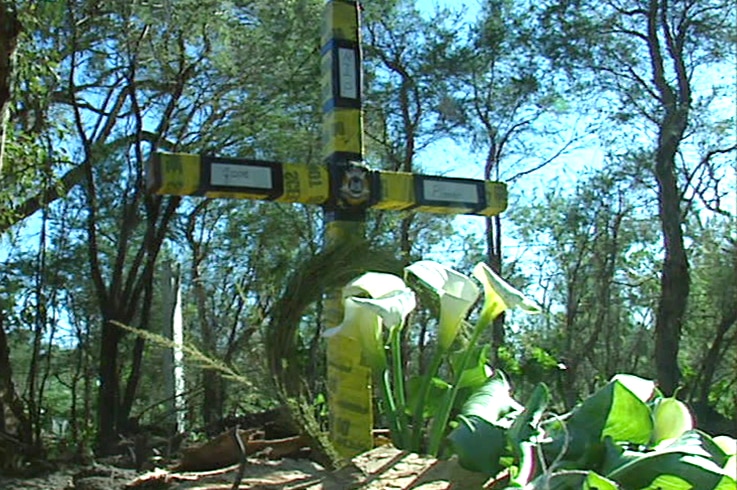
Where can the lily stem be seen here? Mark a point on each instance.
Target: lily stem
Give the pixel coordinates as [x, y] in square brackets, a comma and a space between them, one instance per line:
[391, 408]
[440, 423]
[418, 420]
[399, 411]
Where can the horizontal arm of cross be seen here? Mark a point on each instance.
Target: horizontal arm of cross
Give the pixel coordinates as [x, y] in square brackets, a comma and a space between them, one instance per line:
[328, 186]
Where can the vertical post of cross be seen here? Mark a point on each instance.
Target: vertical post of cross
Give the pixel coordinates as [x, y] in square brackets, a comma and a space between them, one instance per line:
[348, 379]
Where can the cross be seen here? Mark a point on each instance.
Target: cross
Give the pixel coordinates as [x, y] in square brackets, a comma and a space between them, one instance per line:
[345, 188]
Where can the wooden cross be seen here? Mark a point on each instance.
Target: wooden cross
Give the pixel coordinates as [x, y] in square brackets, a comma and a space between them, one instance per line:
[345, 188]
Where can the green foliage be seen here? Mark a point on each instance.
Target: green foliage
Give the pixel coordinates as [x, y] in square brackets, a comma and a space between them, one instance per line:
[605, 442]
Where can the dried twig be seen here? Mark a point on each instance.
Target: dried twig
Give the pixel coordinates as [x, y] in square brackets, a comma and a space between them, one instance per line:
[243, 461]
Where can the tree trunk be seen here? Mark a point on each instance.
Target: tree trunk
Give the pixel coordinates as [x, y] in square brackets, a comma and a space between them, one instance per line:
[713, 356]
[214, 397]
[675, 278]
[109, 393]
[10, 28]
[8, 396]
[675, 101]
[494, 257]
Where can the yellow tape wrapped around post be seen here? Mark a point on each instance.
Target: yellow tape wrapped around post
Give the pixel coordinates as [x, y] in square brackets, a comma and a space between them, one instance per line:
[349, 380]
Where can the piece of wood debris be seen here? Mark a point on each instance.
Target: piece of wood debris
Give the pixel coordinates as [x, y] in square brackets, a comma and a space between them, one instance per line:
[223, 450]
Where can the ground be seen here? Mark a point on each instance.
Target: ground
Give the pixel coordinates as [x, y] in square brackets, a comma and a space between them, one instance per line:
[382, 468]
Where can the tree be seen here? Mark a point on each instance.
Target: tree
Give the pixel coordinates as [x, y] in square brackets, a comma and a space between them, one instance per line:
[594, 269]
[710, 329]
[410, 70]
[510, 102]
[646, 57]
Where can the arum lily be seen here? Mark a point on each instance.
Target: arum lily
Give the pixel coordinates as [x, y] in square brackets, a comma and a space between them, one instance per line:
[370, 302]
[373, 285]
[389, 304]
[500, 295]
[456, 293]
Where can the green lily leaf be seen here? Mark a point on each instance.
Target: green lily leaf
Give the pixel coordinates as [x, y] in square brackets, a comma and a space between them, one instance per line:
[526, 425]
[594, 481]
[730, 467]
[480, 439]
[492, 402]
[693, 460]
[456, 293]
[727, 444]
[613, 411]
[477, 370]
[437, 390]
[500, 295]
[571, 480]
[644, 389]
[478, 444]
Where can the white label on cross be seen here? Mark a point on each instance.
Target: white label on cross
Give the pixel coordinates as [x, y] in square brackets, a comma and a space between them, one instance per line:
[347, 70]
[435, 190]
[230, 175]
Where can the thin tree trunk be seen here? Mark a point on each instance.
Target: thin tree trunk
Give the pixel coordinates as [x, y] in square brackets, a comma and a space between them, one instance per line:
[675, 278]
[709, 365]
[494, 257]
[8, 394]
[10, 28]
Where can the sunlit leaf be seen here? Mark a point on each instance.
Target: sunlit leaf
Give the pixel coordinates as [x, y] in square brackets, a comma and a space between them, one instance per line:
[727, 444]
[613, 411]
[594, 481]
[694, 460]
[643, 388]
[493, 401]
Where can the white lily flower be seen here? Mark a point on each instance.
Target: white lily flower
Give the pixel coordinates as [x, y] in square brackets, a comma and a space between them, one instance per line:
[393, 308]
[364, 318]
[456, 292]
[500, 295]
[373, 285]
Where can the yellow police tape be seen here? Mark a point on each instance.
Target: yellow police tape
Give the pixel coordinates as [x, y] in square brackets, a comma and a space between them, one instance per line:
[173, 173]
[309, 184]
[349, 397]
[349, 380]
[342, 131]
[339, 21]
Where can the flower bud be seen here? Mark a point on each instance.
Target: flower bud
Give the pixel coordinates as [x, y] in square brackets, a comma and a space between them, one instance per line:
[671, 419]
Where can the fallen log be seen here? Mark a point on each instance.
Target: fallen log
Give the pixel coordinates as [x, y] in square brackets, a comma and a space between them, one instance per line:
[224, 451]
